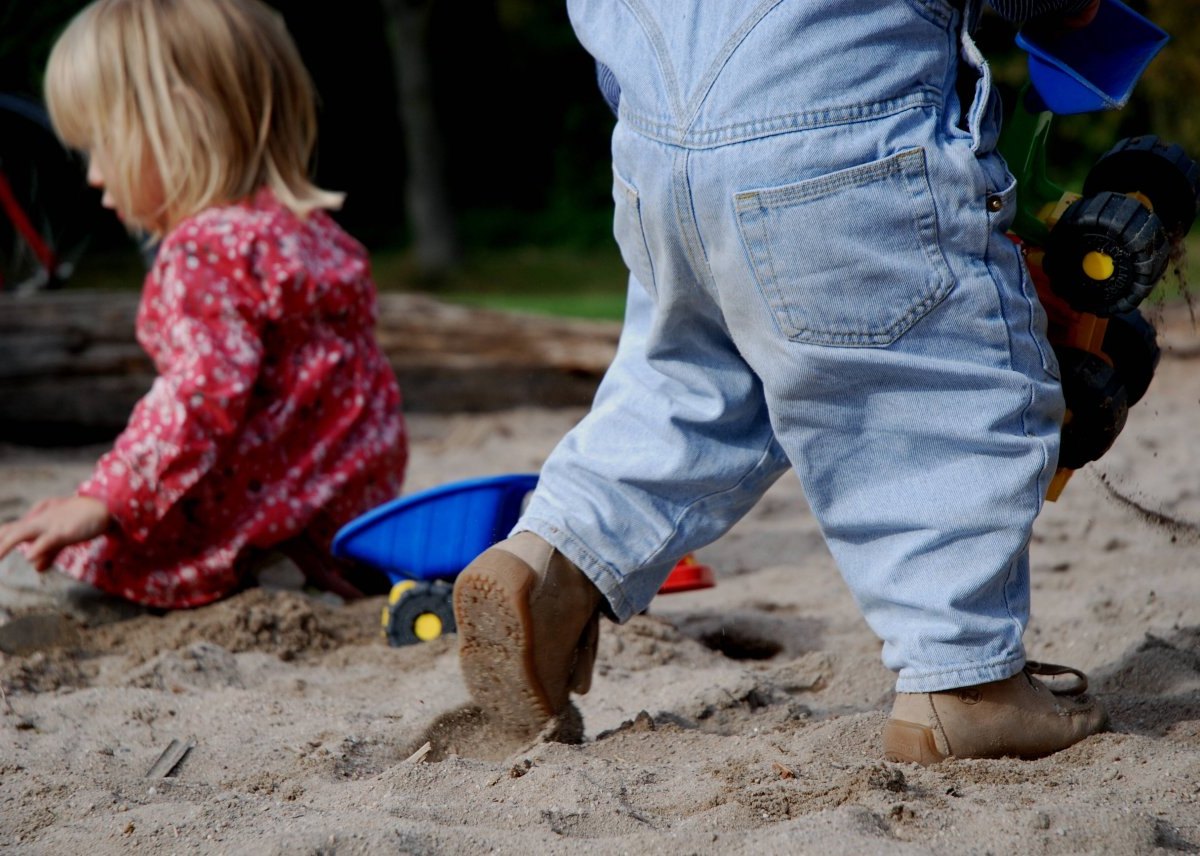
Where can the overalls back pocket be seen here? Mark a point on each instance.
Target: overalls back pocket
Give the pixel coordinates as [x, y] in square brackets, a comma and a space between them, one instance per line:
[850, 258]
[630, 233]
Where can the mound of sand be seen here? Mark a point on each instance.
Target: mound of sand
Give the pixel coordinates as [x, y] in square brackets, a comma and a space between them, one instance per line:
[741, 719]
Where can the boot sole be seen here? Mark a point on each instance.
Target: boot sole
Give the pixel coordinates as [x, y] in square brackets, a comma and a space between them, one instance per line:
[495, 631]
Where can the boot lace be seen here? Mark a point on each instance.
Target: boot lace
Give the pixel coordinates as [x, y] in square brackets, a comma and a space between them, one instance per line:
[1071, 688]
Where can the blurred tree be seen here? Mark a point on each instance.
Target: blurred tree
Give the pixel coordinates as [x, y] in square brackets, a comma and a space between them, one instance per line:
[435, 241]
[360, 144]
[526, 130]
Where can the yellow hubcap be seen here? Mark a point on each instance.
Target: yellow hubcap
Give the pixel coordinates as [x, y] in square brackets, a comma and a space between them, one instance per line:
[427, 626]
[1098, 265]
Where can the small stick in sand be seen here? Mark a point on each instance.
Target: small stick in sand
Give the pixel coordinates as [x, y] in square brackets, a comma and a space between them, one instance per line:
[419, 756]
[170, 758]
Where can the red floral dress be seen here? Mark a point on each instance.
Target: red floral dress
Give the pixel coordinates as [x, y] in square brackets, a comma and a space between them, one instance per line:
[274, 415]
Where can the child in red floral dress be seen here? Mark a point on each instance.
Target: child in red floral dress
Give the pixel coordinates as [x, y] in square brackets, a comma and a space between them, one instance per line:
[275, 418]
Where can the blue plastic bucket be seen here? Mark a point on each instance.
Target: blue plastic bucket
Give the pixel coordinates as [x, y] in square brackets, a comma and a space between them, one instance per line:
[1093, 67]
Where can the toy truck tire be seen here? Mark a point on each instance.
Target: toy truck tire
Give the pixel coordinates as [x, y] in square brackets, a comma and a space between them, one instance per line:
[1096, 407]
[420, 612]
[1162, 175]
[1105, 254]
[1131, 342]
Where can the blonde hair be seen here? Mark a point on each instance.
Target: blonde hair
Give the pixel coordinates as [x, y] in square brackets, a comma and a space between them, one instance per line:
[210, 93]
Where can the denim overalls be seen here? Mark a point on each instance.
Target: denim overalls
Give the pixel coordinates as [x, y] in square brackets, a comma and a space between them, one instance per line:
[820, 279]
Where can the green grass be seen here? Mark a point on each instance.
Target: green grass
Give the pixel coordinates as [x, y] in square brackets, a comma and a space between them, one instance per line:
[591, 283]
[587, 283]
[581, 283]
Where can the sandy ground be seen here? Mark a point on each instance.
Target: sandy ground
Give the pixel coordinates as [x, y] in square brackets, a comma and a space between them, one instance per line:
[741, 719]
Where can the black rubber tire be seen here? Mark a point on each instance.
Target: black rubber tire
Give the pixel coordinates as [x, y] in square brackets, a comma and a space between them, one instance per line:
[434, 598]
[1121, 228]
[1131, 342]
[1097, 406]
[1162, 173]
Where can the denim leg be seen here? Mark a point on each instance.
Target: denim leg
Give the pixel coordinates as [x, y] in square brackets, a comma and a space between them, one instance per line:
[676, 448]
[827, 281]
[902, 355]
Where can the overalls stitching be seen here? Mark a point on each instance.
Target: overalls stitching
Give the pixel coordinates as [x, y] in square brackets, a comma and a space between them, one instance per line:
[654, 33]
[731, 45]
[926, 96]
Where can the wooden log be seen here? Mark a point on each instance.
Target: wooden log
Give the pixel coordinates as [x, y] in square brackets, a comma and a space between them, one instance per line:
[70, 368]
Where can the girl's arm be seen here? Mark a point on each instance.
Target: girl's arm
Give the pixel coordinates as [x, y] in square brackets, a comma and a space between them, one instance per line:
[208, 366]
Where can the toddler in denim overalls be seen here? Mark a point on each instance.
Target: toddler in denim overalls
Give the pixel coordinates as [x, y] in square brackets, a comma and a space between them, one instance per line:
[814, 224]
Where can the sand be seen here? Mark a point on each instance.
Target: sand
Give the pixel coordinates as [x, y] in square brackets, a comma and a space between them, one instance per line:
[741, 719]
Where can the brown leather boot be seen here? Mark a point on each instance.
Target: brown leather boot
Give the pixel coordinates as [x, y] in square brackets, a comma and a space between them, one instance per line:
[528, 623]
[1019, 716]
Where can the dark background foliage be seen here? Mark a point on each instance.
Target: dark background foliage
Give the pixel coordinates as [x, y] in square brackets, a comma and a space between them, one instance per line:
[524, 133]
[524, 130]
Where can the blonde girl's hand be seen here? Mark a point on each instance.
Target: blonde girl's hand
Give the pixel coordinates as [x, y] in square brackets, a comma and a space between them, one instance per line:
[53, 524]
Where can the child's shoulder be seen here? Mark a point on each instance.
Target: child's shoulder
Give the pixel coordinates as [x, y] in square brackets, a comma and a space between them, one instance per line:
[259, 216]
[256, 219]
[261, 240]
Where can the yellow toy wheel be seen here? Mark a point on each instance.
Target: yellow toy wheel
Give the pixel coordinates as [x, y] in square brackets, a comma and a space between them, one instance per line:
[418, 612]
[1105, 254]
[394, 596]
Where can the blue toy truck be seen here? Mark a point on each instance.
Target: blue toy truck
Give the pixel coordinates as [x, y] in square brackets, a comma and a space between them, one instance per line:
[422, 542]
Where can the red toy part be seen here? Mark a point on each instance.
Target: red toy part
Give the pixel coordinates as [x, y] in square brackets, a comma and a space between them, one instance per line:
[688, 575]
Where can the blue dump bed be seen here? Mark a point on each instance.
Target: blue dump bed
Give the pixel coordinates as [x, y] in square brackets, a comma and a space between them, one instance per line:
[1093, 67]
[434, 534]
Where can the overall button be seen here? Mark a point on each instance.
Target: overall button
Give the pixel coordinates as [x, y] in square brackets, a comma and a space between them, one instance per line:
[995, 203]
